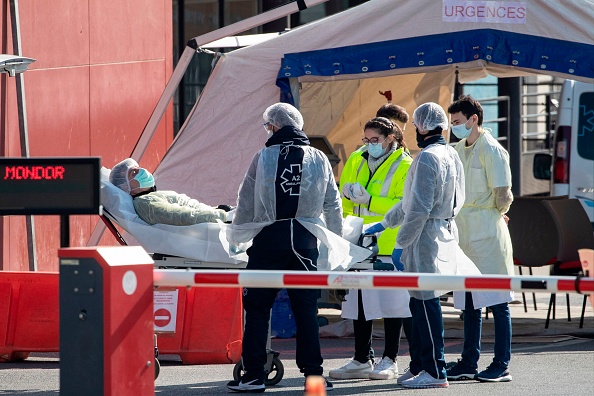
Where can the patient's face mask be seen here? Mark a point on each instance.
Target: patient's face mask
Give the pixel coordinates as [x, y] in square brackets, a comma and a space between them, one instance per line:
[144, 178]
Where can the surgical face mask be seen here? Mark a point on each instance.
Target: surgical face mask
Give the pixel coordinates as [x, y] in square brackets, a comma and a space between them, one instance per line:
[420, 137]
[461, 131]
[375, 149]
[144, 178]
[267, 127]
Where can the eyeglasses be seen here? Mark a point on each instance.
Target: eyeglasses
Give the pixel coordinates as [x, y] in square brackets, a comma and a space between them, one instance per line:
[373, 140]
[266, 124]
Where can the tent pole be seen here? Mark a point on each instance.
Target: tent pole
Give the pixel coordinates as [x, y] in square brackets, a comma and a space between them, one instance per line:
[180, 69]
[23, 128]
[191, 48]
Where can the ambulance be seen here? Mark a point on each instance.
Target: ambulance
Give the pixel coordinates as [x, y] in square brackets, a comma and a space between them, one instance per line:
[571, 165]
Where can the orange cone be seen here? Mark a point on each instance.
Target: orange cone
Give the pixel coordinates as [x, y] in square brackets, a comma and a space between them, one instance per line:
[315, 385]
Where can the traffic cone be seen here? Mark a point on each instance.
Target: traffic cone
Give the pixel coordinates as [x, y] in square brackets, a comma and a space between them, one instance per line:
[315, 385]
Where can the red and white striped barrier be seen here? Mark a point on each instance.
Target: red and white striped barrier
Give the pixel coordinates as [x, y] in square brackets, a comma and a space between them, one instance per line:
[369, 280]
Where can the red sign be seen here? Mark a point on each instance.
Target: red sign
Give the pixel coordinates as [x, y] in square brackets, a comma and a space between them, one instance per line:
[162, 317]
[34, 172]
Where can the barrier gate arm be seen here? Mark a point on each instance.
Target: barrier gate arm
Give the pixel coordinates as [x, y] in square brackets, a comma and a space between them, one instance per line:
[359, 280]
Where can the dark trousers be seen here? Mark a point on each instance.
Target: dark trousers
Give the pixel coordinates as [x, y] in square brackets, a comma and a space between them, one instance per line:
[428, 336]
[392, 329]
[257, 304]
[473, 328]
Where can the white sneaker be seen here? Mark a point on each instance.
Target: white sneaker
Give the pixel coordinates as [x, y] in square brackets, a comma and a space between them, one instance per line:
[384, 370]
[407, 375]
[425, 380]
[352, 370]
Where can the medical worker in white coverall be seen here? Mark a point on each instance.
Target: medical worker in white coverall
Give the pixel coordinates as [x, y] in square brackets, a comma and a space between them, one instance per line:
[288, 201]
[484, 238]
[433, 195]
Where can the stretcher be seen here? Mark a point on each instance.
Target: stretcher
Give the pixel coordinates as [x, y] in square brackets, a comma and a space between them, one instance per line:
[191, 247]
[198, 246]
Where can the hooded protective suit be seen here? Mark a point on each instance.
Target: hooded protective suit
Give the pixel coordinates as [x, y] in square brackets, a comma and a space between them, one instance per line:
[433, 196]
[319, 207]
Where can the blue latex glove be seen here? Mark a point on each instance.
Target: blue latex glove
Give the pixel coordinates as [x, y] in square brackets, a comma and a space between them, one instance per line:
[396, 253]
[374, 229]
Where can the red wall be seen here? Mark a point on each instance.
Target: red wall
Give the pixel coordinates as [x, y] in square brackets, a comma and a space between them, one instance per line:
[101, 68]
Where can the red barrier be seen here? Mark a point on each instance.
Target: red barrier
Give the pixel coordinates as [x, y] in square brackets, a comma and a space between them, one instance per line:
[29, 316]
[209, 326]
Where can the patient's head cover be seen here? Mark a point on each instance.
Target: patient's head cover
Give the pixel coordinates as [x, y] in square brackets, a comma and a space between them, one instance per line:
[283, 114]
[119, 174]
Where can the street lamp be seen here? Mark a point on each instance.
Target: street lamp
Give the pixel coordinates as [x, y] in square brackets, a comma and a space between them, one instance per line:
[13, 64]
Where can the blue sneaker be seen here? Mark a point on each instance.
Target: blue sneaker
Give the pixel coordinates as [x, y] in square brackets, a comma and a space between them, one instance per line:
[461, 371]
[496, 372]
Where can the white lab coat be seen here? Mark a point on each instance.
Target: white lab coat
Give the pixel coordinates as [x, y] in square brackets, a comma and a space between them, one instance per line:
[377, 304]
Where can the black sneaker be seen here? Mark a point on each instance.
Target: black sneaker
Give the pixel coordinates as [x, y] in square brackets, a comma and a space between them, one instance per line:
[461, 371]
[496, 372]
[329, 386]
[247, 385]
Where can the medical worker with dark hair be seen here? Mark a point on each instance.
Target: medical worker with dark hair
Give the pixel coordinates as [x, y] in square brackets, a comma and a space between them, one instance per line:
[484, 238]
[372, 182]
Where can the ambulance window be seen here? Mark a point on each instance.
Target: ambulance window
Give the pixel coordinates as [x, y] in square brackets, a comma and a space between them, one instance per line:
[585, 135]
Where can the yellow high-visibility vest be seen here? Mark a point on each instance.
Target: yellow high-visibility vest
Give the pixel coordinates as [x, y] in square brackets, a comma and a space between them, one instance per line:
[386, 187]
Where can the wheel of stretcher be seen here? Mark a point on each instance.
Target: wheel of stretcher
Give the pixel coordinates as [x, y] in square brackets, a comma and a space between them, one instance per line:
[275, 375]
[157, 368]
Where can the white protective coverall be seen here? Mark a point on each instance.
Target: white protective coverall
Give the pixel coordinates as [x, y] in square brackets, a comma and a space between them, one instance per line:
[258, 188]
[484, 236]
[433, 196]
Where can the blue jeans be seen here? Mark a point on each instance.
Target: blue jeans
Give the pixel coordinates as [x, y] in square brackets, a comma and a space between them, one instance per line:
[427, 338]
[472, 333]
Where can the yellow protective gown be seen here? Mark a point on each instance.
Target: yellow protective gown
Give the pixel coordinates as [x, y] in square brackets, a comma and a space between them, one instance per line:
[484, 236]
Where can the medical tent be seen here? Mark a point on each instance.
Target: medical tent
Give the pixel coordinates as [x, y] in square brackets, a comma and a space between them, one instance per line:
[338, 70]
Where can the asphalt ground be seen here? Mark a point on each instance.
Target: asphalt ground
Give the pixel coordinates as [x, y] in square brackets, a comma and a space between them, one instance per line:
[540, 366]
[554, 361]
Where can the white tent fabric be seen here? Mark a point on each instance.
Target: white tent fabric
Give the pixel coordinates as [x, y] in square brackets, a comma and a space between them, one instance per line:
[430, 41]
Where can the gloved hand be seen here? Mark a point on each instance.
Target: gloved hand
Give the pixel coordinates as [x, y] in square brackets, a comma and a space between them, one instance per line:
[347, 190]
[360, 194]
[374, 229]
[396, 253]
[235, 249]
[230, 215]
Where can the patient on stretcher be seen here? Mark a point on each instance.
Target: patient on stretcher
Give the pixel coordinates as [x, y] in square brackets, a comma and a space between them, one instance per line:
[163, 207]
[205, 242]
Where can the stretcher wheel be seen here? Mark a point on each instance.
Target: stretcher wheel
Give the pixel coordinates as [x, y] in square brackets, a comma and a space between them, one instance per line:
[157, 368]
[274, 376]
